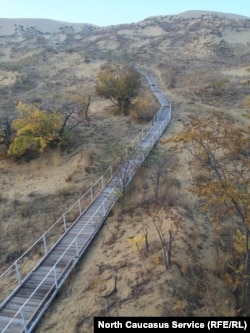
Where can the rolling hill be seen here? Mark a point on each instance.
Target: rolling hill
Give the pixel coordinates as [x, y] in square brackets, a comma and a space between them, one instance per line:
[201, 62]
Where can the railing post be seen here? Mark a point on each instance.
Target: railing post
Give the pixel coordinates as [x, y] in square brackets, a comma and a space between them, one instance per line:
[24, 320]
[64, 222]
[77, 250]
[111, 172]
[45, 245]
[102, 182]
[103, 206]
[80, 208]
[55, 276]
[18, 273]
[92, 224]
[91, 194]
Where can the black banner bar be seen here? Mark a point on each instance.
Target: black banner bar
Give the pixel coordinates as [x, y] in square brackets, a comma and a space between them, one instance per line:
[115, 324]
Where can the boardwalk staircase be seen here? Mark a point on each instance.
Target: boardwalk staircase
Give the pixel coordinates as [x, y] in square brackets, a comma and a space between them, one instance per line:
[27, 289]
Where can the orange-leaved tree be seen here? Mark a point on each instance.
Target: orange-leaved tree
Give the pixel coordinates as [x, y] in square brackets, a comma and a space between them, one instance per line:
[35, 130]
[223, 151]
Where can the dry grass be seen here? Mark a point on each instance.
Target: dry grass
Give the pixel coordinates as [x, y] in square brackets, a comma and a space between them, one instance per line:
[35, 194]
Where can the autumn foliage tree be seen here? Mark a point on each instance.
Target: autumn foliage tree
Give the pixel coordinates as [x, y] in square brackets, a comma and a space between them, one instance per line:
[223, 151]
[119, 85]
[39, 128]
[35, 130]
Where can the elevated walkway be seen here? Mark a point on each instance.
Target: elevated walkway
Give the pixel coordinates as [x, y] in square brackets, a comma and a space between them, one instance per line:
[31, 290]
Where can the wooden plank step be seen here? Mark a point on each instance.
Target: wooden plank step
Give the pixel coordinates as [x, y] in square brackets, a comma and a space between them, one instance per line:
[70, 253]
[22, 300]
[57, 255]
[13, 312]
[85, 218]
[4, 320]
[58, 252]
[34, 282]
[77, 233]
[38, 296]
[13, 308]
[81, 225]
[39, 275]
[13, 329]
[75, 236]
[52, 261]
[76, 242]
[63, 247]
[30, 289]
[16, 325]
[65, 261]
[49, 269]
[86, 229]
[42, 269]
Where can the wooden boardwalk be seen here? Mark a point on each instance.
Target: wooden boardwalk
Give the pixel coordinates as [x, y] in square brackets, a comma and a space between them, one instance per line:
[25, 305]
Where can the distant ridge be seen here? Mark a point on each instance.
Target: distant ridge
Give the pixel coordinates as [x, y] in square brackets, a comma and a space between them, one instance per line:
[8, 25]
[197, 13]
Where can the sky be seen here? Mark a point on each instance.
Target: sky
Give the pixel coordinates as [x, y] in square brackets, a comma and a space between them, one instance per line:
[113, 12]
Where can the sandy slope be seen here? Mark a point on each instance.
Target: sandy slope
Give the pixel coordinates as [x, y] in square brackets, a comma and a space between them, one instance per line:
[55, 68]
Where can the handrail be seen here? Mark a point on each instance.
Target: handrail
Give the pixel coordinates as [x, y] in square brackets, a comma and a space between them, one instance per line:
[21, 309]
[137, 139]
[58, 220]
[154, 131]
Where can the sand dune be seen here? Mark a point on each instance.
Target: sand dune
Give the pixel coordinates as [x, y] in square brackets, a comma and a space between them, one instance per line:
[197, 13]
[8, 25]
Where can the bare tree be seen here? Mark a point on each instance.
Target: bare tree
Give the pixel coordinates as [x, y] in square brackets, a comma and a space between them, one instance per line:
[73, 111]
[166, 241]
[5, 131]
[159, 163]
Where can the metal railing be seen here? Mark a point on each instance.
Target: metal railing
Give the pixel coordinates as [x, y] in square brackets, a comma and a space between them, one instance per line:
[15, 275]
[20, 270]
[75, 248]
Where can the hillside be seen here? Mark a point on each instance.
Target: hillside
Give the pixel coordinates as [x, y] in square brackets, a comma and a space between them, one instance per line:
[200, 61]
[43, 26]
